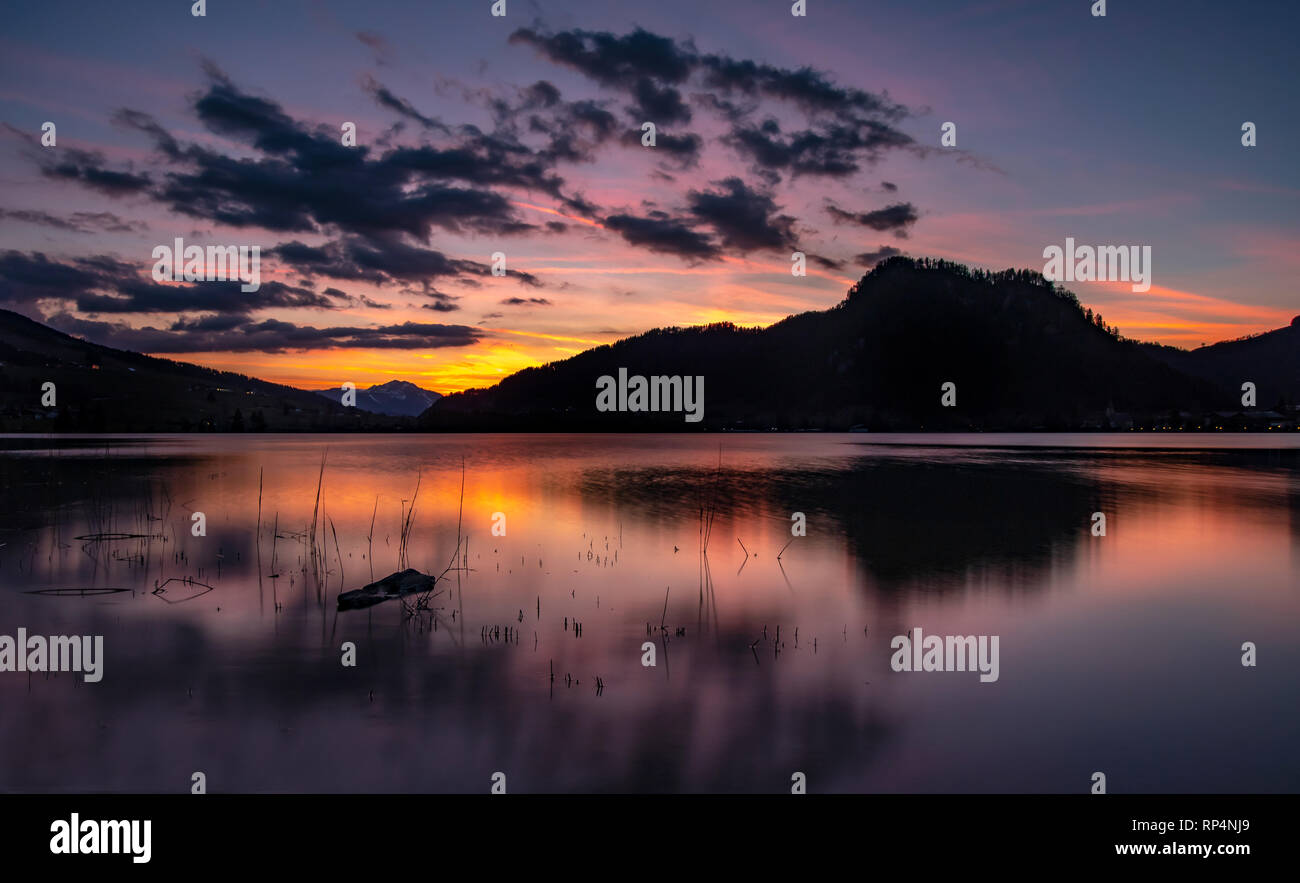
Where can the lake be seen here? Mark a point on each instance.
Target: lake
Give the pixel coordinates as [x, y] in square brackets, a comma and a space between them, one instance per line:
[223, 653]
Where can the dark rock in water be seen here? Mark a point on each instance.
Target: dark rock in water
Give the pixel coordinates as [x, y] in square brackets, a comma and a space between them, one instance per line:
[395, 585]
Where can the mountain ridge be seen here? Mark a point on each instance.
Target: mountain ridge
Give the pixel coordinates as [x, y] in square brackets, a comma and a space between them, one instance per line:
[101, 389]
[1023, 352]
[395, 398]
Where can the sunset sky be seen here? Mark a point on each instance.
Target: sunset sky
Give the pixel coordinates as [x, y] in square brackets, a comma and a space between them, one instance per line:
[522, 135]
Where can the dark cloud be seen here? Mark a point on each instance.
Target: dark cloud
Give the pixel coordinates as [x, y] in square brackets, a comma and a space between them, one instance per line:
[489, 162]
[745, 220]
[87, 167]
[305, 180]
[682, 150]
[77, 222]
[441, 306]
[574, 129]
[365, 301]
[658, 104]
[216, 334]
[216, 322]
[543, 93]
[830, 149]
[379, 262]
[27, 278]
[224, 297]
[847, 126]
[379, 206]
[441, 301]
[590, 115]
[826, 263]
[869, 259]
[134, 119]
[316, 192]
[526, 302]
[665, 235]
[227, 110]
[898, 218]
[384, 98]
[889, 186]
[730, 110]
[805, 87]
[611, 60]
[641, 61]
[382, 261]
[104, 284]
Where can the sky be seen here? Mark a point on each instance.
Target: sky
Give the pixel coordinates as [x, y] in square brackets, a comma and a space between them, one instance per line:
[522, 135]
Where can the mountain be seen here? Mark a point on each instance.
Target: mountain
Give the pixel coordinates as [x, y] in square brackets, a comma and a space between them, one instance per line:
[1270, 360]
[396, 398]
[1022, 351]
[100, 389]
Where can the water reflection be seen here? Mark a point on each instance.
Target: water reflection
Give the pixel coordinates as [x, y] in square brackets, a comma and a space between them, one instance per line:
[224, 650]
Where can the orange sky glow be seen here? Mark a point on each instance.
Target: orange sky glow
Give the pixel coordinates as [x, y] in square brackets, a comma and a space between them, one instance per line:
[1176, 318]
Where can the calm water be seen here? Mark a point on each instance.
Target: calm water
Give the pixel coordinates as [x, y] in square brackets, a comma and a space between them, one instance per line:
[1119, 654]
